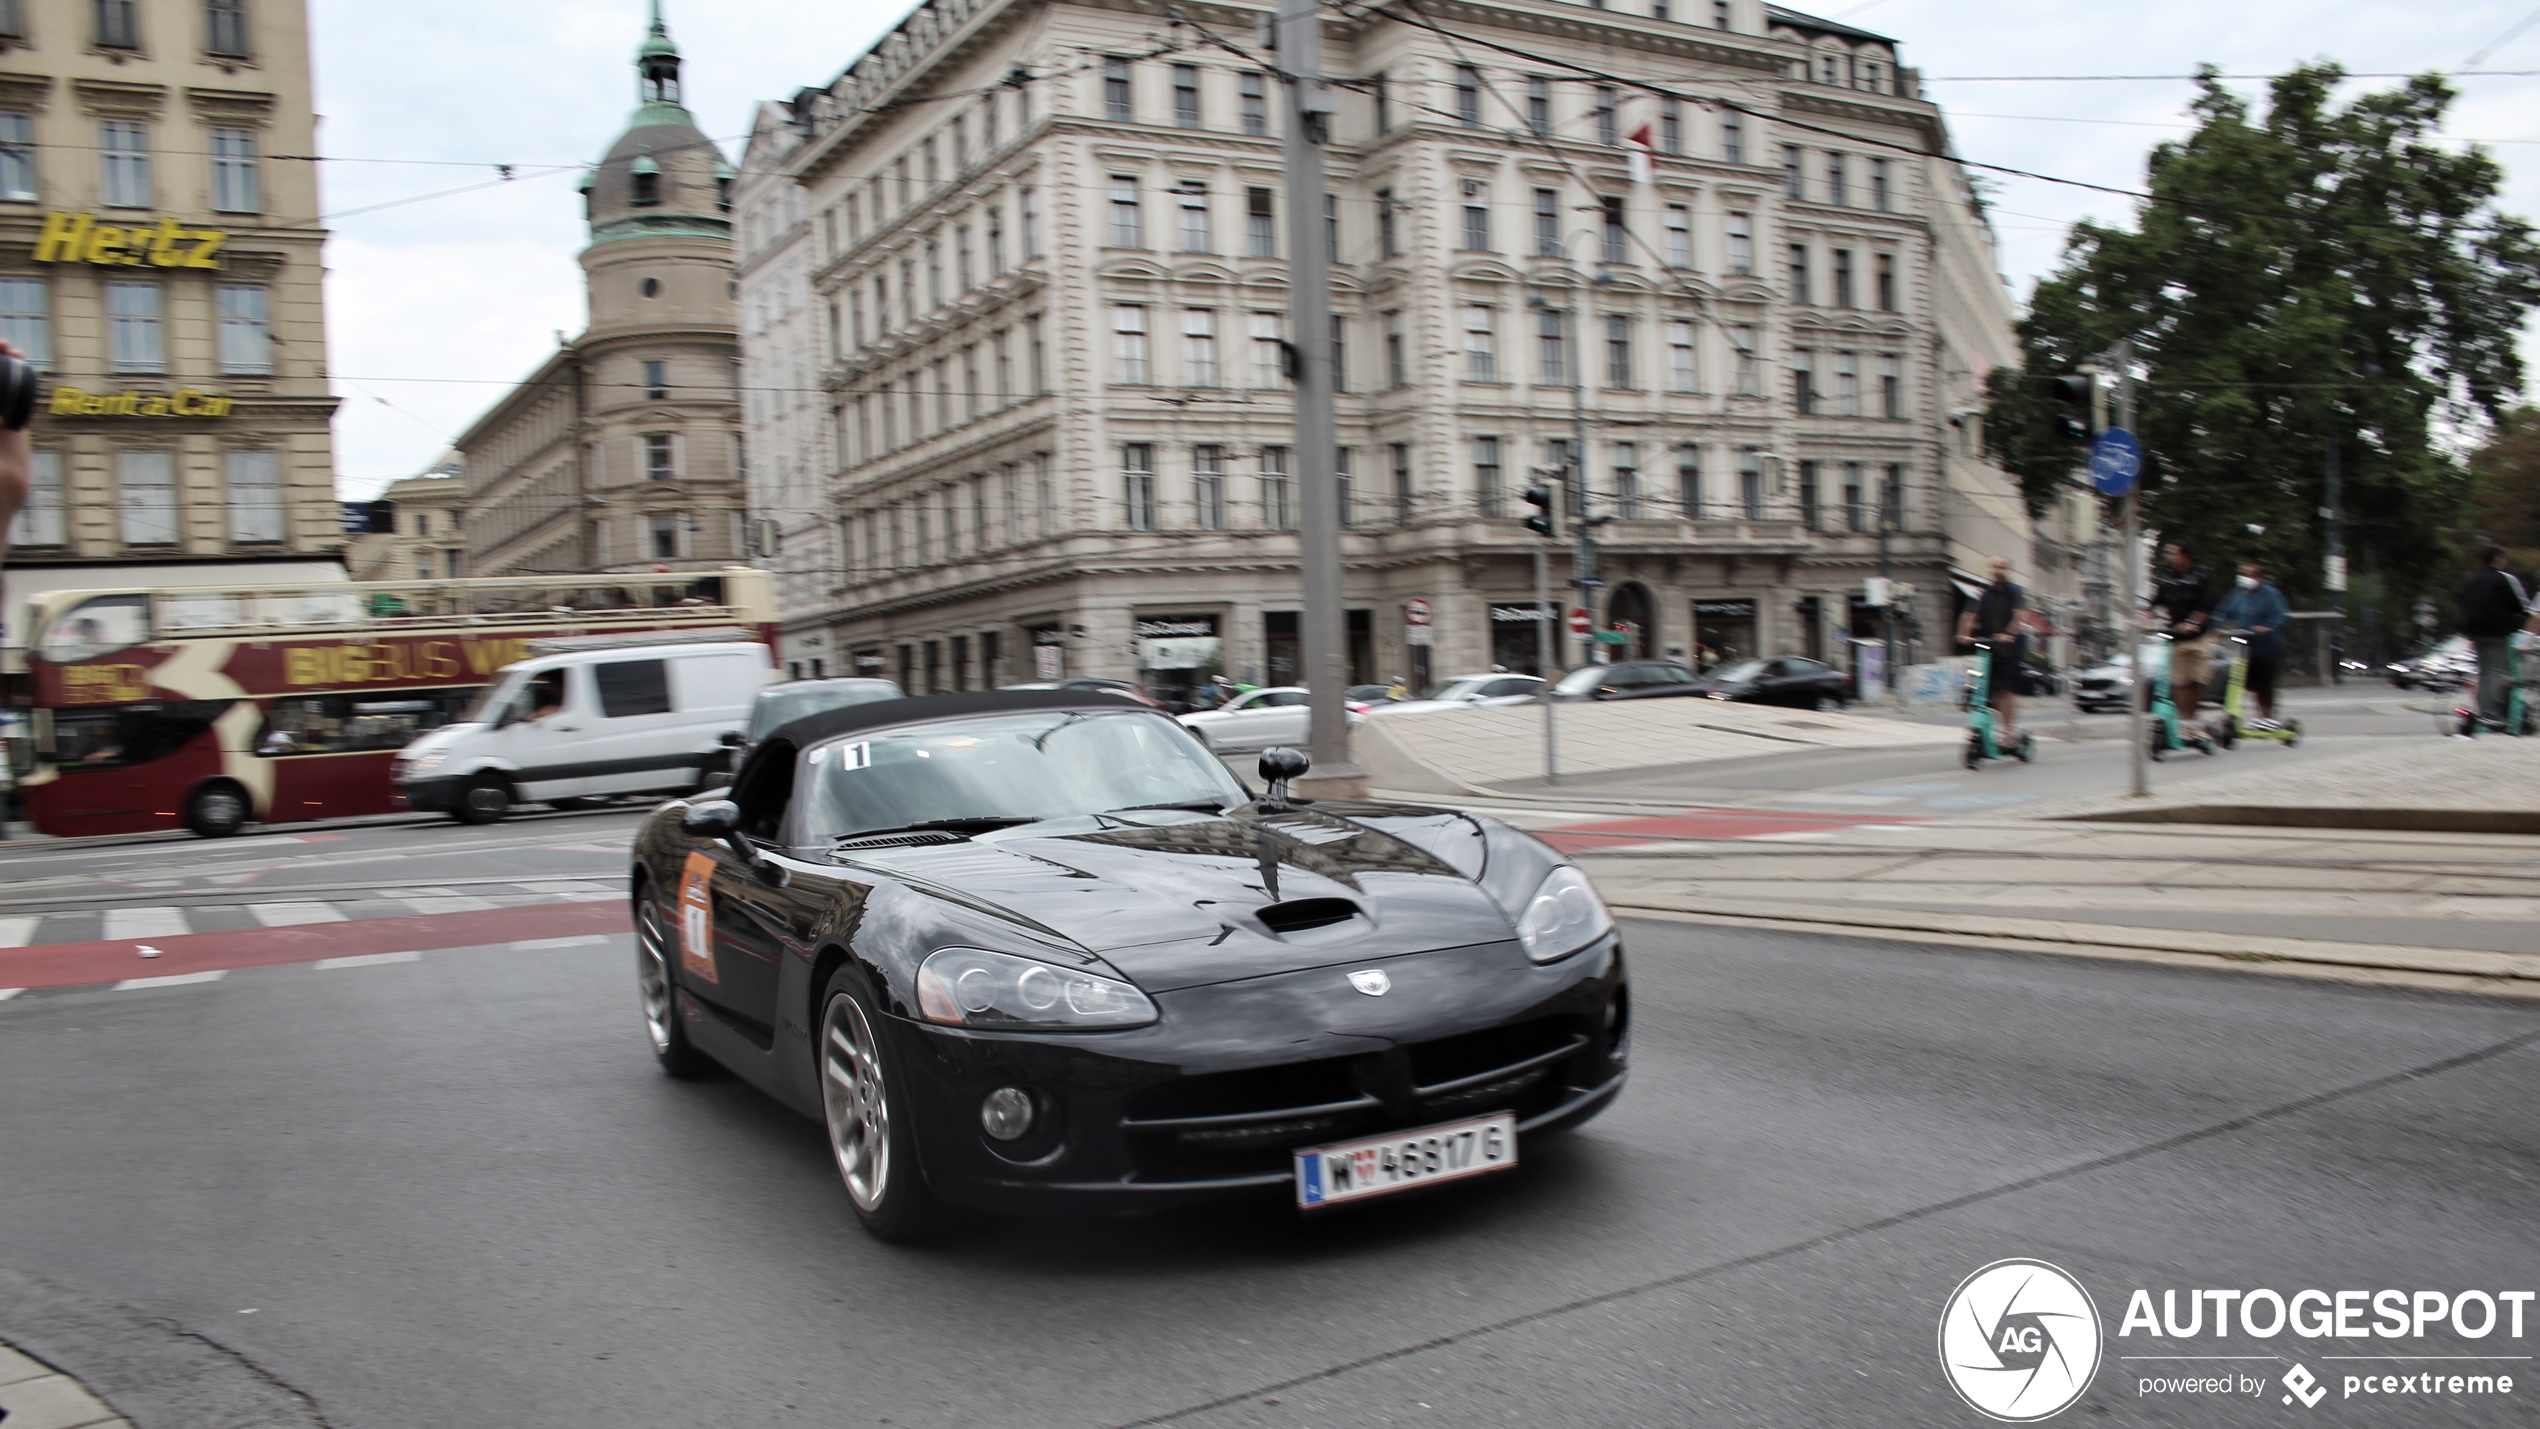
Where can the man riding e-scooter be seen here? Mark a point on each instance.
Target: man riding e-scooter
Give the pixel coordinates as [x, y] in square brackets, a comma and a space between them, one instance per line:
[2255, 605]
[2184, 596]
[2000, 616]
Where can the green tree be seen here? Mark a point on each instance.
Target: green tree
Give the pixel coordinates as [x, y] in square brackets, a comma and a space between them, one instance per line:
[2505, 487]
[2318, 273]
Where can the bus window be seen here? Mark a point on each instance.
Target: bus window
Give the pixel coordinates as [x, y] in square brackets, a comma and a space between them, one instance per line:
[129, 734]
[345, 724]
[96, 627]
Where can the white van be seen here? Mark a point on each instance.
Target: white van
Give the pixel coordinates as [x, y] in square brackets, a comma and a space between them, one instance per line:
[634, 719]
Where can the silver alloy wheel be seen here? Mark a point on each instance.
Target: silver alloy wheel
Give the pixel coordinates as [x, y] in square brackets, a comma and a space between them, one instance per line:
[857, 1108]
[652, 973]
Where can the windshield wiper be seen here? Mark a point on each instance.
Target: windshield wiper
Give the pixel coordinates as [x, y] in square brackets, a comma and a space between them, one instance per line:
[967, 824]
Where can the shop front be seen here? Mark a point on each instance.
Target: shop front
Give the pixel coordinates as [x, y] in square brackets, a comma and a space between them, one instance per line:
[1724, 630]
[1178, 653]
[1513, 637]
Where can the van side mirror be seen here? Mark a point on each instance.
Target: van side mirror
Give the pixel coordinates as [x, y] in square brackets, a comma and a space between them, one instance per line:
[1279, 764]
[732, 739]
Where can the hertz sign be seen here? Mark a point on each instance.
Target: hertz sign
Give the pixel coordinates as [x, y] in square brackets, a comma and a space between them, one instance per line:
[80, 238]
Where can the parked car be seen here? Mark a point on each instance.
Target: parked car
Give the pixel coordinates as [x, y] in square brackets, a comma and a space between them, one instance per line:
[1780, 680]
[2447, 666]
[1465, 692]
[1277, 715]
[1370, 695]
[1628, 680]
[785, 703]
[1095, 684]
[637, 719]
[2104, 686]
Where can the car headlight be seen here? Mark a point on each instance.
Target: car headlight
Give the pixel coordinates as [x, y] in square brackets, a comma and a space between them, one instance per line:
[966, 987]
[414, 765]
[1564, 916]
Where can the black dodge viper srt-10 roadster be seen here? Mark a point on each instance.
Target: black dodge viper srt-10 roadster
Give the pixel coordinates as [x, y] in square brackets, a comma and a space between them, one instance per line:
[1037, 951]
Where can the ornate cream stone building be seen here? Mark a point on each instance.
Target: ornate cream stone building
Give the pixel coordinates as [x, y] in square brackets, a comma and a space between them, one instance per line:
[622, 452]
[160, 260]
[1044, 245]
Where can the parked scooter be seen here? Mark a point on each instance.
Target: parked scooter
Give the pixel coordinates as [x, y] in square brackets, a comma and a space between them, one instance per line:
[1983, 739]
[2519, 716]
[2168, 730]
[2234, 727]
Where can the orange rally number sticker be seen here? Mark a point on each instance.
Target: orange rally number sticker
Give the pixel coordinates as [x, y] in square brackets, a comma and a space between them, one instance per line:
[696, 916]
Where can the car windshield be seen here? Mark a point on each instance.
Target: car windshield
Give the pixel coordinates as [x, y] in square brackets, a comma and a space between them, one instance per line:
[788, 703]
[1460, 689]
[1742, 670]
[1584, 679]
[1030, 765]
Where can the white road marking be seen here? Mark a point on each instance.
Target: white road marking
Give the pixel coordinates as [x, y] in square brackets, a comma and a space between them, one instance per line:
[171, 980]
[438, 900]
[9, 992]
[533, 945]
[124, 923]
[367, 960]
[291, 915]
[15, 931]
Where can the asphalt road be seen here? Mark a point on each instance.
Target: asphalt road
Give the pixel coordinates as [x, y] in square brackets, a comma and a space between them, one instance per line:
[454, 1190]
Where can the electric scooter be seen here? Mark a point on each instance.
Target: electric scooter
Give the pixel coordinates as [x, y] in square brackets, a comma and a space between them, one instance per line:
[2234, 728]
[2168, 730]
[1983, 742]
[2519, 718]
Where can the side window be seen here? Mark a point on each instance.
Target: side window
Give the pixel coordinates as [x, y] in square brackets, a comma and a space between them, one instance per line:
[765, 787]
[129, 734]
[632, 687]
[1674, 675]
[1286, 697]
[344, 724]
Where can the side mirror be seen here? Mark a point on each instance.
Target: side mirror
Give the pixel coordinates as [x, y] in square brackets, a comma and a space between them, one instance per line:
[732, 739]
[711, 819]
[1279, 764]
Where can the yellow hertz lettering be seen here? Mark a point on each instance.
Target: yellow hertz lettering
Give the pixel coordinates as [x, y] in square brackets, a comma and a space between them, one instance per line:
[184, 402]
[80, 238]
[104, 684]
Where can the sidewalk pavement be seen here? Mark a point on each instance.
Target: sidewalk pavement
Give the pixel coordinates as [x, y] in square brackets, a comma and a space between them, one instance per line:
[2489, 785]
[69, 1360]
[34, 1395]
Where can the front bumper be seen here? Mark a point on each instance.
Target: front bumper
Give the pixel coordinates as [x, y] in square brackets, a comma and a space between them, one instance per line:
[1211, 1101]
[439, 795]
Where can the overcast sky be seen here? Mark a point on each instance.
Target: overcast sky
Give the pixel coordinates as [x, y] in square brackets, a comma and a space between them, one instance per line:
[436, 304]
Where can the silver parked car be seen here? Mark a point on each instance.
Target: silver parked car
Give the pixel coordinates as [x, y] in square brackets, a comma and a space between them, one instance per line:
[2104, 686]
[1260, 719]
[1466, 692]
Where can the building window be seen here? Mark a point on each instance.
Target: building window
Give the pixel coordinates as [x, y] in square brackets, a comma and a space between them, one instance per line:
[124, 160]
[1193, 197]
[665, 533]
[17, 156]
[1838, 192]
[1468, 96]
[1255, 102]
[1031, 205]
[145, 497]
[1891, 388]
[1551, 355]
[1137, 472]
[1476, 216]
[1481, 344]
[1799, 273]
[1199, 347]
[1803, 381]
[1129, 346]
[26, 318]
[1720, 14]
[1486, 477]
[1331, 228]
[1886, 267]
[1689, 481]
[1892, 499]
[1040, 356]
[1340, 353]
[934, 275]
[1682, 375]
[1261, 228]
[1750, 483]
[1208, 486]
[1627, 480]
[1808, 494]
[118, 24]
[1847, 384]
[1741, 245]
[41, 521]
[1878, 185]
[255, 496]
[1117, 102]
[1278, 490]
[1605, 133]
[1618, 242]
[1397, 367]
[1732, 136]
[225, 27]
[1404, 498]
[237, 186]
[1843, 277]
[1539, 106]
[644, 177]
[656, 380]
[139, 342]
[1345, 490]
[1127, 231]
[1186, 96]
[1269, 351]
[1386, 242]
[1790, 172]
[1618, 351]
[1380, 89]
[1679, 236]
[1548, 223]
[246, 343]
[995, 234]
[1671, 125]
[1742, 341]
[1856, 515]
[660, 457]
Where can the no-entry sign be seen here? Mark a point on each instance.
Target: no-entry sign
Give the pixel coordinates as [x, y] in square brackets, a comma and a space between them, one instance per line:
[1579, 623]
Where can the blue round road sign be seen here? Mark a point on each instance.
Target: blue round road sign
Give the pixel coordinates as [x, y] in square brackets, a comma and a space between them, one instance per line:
[2115, 460]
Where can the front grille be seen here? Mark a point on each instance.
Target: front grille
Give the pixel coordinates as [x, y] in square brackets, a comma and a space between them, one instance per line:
[1230, 1124]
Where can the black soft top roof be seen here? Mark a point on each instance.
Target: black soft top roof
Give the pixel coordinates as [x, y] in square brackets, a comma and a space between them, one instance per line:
[827, 724]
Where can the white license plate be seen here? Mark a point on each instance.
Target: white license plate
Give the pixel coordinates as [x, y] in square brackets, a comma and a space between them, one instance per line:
[1356, 1170]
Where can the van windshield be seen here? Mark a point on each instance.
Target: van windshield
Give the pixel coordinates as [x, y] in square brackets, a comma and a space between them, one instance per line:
[491, 699]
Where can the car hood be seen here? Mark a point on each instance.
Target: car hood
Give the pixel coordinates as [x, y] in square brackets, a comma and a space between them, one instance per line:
[1184, 904]
[442, 738]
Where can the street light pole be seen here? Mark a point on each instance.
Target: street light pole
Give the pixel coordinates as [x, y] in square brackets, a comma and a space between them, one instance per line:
[1543, 665]
[1584, 576]
[2131, 552]
[1320, 630]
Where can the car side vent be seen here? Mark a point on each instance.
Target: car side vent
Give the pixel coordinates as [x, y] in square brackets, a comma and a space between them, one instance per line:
[1300, 914]
[921, 839]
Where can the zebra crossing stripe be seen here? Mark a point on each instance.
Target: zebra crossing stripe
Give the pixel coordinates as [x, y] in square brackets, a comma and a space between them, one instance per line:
[292, 915]
[171, 980]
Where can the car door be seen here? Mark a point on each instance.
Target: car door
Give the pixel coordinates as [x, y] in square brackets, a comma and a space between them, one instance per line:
[738, 921]
[633, 741]
[1233, 726]
[1513, 690]
[1669, 681]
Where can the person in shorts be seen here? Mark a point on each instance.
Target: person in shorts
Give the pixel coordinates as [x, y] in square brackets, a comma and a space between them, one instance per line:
[2183, 596]
[2000, 616]
[2256, 606]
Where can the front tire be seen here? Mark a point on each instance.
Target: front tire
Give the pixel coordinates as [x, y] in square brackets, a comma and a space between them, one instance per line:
[1828, 704]
[486, 799]
[655, 988]
[217, 810]
[870, 1138]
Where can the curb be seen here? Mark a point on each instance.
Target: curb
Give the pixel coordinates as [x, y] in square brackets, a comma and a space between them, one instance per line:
[154, 1374]
[2294, 816]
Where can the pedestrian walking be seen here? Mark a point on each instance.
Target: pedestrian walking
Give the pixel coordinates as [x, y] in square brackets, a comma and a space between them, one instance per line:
[2184, 596]
[17, 463]
[2494, 608]
[2256, 606]
[2001, 616]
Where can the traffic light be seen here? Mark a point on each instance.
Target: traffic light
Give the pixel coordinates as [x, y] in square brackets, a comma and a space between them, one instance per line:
[2075, 393]
[1548, 495]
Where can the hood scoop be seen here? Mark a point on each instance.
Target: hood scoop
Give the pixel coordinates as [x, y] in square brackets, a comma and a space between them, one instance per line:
[923, 838]
[1299, 914]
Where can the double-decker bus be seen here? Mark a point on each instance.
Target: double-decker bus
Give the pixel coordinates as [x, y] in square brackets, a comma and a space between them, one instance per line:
[206, 709]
